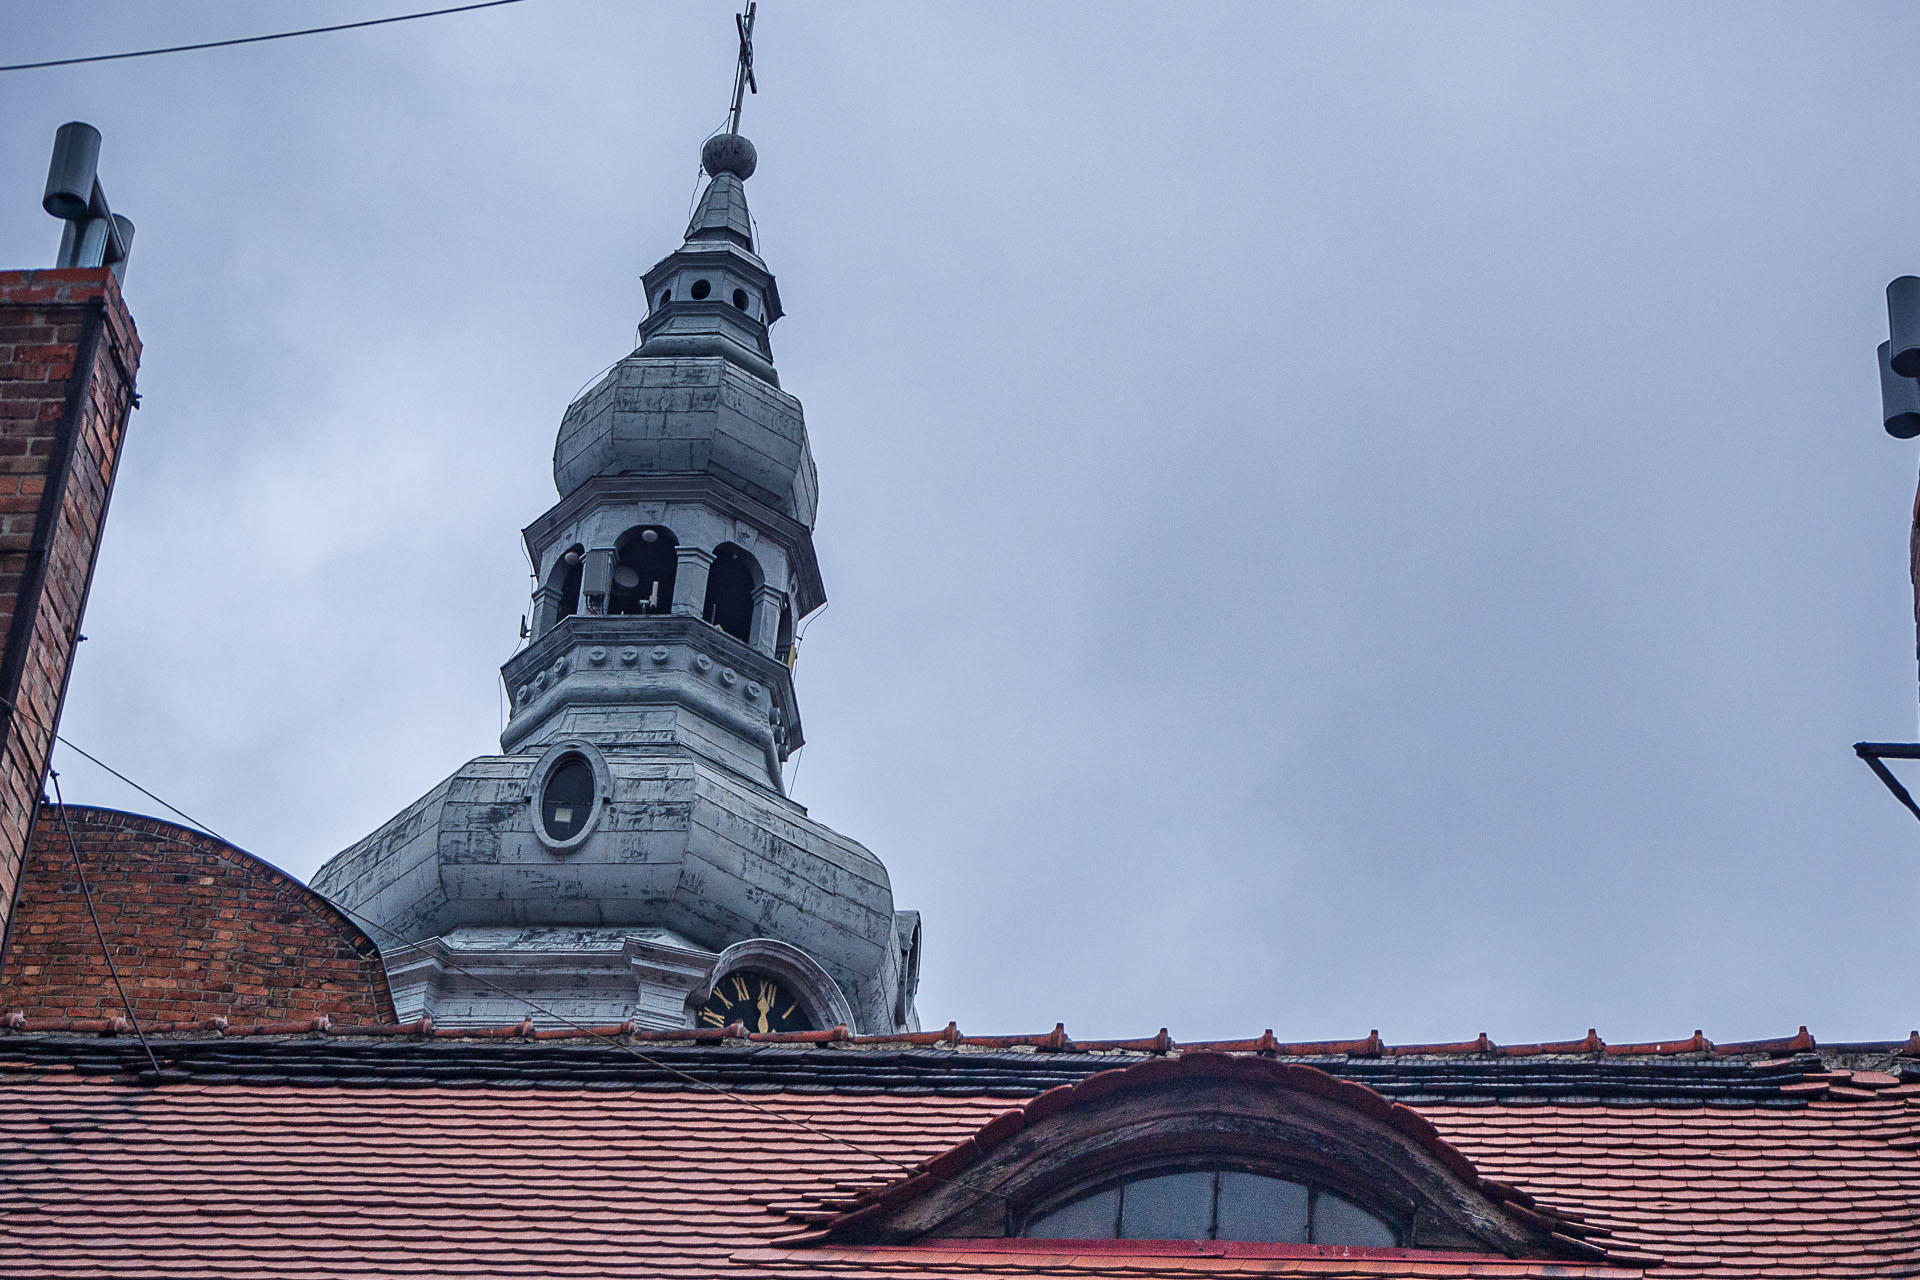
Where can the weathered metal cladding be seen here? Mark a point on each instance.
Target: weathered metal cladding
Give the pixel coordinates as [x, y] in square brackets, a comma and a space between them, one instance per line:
[680, 844]
[681, 701]
[597, 678]
[691, 414]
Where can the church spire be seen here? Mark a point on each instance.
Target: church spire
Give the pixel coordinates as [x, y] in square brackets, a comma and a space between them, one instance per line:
[729, 159]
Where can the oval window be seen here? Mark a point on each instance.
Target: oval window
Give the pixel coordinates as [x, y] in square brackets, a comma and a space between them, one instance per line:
[701, 289]
[567, 800]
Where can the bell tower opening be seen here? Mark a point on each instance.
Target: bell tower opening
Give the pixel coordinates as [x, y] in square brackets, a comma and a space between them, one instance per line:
[643, 569]
[730, 584]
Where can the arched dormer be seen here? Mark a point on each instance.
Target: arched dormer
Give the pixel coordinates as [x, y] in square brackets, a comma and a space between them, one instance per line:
[1205, 1140]
[644, 564]
[731, 580]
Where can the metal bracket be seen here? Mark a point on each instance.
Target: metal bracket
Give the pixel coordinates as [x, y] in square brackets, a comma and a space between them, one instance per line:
[1875, 753]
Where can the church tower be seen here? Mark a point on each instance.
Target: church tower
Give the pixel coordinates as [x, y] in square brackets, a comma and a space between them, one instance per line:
[632, 853]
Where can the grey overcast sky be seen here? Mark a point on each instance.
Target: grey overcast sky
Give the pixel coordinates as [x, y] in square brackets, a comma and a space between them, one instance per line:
[1336, 516]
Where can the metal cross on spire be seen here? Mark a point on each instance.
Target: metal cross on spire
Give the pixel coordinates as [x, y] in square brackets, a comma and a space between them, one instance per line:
[743, 75]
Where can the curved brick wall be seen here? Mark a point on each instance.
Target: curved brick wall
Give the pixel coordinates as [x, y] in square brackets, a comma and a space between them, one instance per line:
[199, 928]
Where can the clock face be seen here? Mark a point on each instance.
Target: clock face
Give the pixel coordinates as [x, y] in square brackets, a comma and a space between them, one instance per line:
[754, 1000]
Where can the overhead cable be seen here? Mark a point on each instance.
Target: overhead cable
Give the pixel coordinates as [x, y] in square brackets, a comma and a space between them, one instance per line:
[277, 35]
[86, 895]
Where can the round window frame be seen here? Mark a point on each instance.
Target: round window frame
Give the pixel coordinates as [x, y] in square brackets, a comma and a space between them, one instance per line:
[543, 771]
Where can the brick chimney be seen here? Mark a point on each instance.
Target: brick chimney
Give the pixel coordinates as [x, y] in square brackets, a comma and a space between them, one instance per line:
[68, 355]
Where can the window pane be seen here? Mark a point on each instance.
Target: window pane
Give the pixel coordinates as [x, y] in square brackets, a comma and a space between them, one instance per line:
[1175, 1206]
[1337, 1221]
[1093, 1217]
[1264, 1209]
[568, 800]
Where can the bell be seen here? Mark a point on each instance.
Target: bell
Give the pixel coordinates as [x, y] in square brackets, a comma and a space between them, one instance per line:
[625, 577]
[1899, 397]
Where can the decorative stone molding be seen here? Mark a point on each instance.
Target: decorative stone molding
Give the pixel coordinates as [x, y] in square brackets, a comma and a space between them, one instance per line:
[483, 977]
[663, 660]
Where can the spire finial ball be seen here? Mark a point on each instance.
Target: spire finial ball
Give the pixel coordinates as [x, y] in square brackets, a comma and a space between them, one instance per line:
[728, 153]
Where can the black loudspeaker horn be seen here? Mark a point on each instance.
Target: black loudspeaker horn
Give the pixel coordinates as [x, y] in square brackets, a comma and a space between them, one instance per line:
[1903, 324]
[76, 153]
[1899, 398]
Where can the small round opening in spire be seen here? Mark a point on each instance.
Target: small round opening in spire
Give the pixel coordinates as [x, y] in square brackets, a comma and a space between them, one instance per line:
[728, 153]
[740, 299]
[701, 289]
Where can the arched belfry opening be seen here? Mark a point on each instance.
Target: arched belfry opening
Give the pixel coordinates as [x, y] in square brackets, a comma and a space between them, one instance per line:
[643, 567]
[730, 583]
[566, 582]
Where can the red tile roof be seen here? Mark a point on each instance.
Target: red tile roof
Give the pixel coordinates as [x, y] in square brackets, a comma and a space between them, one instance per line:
[1182, 1261]
[1555, 1235]
[331, 1155]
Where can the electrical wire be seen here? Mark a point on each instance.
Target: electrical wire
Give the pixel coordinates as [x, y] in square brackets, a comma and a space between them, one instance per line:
[277, 35]
[86, 895]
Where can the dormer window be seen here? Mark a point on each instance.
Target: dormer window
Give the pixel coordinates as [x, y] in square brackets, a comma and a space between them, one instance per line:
[1205, 1150]
[1214, 1204]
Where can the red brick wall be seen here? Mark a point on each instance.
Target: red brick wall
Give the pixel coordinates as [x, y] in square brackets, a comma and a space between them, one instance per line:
[68, 354]
[198, 928]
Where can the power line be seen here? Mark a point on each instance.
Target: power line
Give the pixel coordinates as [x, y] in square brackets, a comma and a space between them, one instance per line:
[86, 895]
[188, 818]
[277, 35]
